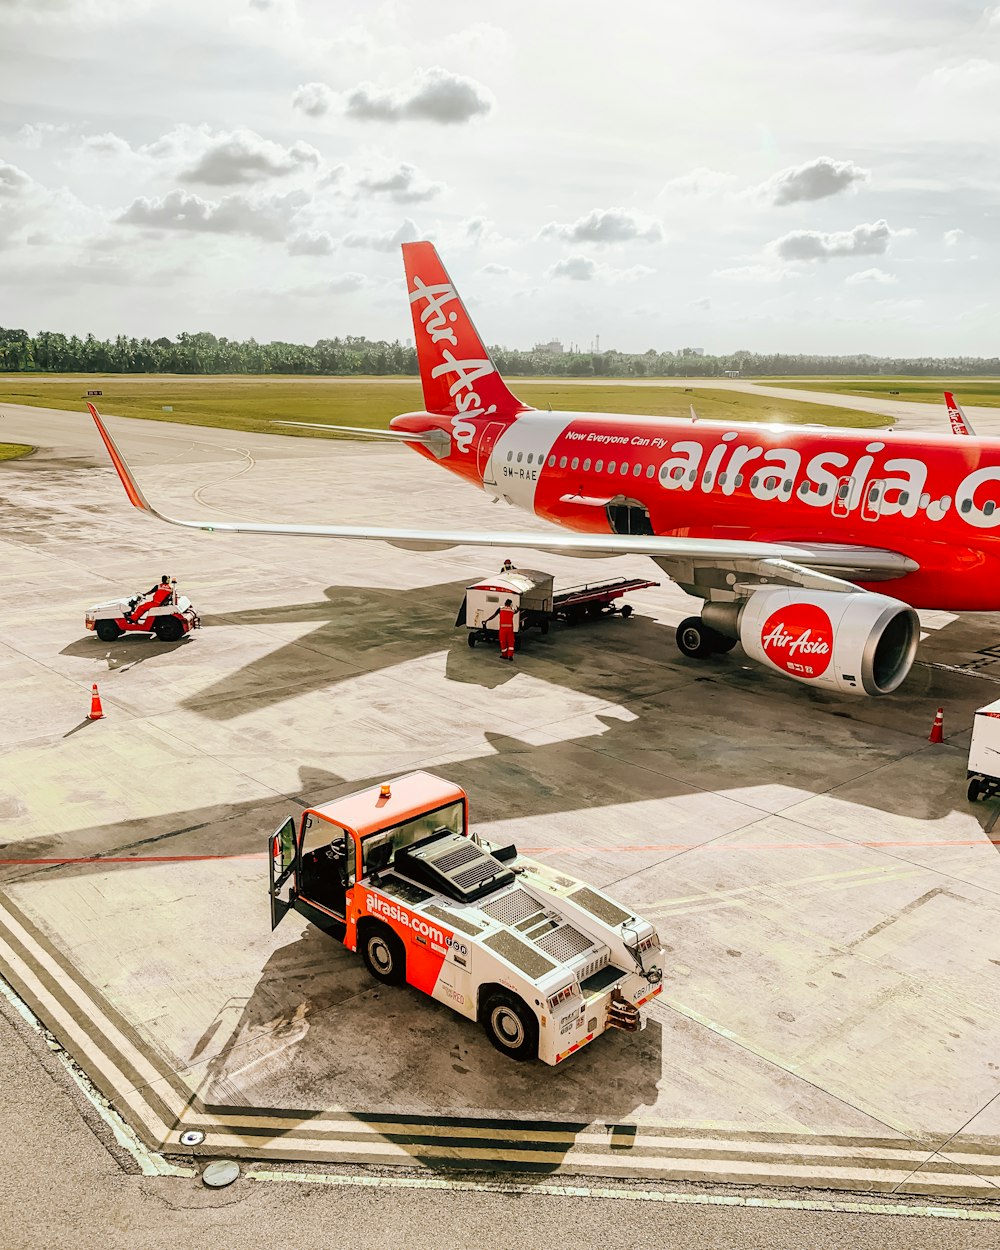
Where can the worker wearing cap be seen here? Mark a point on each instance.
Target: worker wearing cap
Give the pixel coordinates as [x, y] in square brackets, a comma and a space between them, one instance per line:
[506, 614]
[508, 567]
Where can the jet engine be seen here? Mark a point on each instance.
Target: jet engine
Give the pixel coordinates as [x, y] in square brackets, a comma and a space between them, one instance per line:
[855, 642]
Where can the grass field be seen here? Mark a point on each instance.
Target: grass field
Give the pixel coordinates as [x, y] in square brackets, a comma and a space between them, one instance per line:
[984, 392]
[243, 403]
[11, 451]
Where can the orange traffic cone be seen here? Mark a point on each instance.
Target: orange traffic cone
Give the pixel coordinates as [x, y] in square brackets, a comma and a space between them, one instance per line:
[96, 711]
[937, 729]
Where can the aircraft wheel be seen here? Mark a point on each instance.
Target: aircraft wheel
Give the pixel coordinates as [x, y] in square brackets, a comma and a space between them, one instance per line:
[107, 631]
[168, 629]
[383, 955]
[511, 1026]
[723, 645]
[695, 639]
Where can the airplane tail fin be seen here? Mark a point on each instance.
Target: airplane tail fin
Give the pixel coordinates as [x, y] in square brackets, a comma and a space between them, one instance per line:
[456, 371]
[960, 423]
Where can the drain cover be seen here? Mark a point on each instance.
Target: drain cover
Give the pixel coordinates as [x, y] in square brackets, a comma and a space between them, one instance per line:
[220, 1172]
[193, 1137]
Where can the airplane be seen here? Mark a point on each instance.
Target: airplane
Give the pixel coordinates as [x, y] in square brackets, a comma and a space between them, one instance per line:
[788, 534]
[960, 423]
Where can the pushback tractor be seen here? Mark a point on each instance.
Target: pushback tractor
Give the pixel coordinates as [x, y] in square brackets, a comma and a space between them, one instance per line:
[544, 962]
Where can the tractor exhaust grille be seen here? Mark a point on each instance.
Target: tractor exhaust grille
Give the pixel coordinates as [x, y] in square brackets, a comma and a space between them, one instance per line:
[512, 908]
[564, 943]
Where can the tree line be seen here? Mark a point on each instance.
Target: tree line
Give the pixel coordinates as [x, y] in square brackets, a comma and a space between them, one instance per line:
[202, 353]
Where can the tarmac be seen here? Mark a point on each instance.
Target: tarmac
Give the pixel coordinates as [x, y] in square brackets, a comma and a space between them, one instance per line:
[829, 899]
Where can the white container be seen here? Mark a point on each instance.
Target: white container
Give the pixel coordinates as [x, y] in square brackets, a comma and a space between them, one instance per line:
[529, 589]
[984, 752]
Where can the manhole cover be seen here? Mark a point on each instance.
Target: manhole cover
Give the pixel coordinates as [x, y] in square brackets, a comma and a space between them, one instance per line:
[193, 1137]
[221, 1172]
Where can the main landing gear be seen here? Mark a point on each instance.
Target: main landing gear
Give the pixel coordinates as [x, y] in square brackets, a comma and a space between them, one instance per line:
[697, 640]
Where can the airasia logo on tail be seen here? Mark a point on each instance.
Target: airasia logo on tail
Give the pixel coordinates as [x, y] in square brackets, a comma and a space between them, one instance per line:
[798, 639]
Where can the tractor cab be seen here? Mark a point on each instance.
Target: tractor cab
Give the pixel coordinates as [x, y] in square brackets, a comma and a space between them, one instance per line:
[316, 866]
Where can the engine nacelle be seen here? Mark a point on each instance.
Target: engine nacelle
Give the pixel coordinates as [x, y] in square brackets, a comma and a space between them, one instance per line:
[855, 642]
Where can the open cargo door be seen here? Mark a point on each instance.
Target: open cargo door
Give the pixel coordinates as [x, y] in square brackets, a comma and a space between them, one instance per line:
[281, 855]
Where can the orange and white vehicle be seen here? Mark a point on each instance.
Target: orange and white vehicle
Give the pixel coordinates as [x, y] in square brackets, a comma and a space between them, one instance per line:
[544, 962]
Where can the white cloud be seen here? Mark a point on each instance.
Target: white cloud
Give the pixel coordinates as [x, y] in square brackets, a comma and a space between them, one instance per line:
[436, 95]
[968, 75]
[583, 269]
[307, 243]
[494, 270]
[402, 184]
[703, 303]
[14, 182]
[702, 181]
[579, 268]
[815, 180]
[606, 225]
[952, 238]
[387, 242]
[267, 219]
[865, 277]
[242, 156]
[107, 144]
[313, 99]
[34, 134]
[864, 240]
[992, 16]
[752, 273]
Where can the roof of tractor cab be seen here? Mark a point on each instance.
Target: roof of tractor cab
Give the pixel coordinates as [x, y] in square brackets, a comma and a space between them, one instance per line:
[368, 811]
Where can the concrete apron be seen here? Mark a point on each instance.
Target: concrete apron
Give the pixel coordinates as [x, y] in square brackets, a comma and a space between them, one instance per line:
[830, 899]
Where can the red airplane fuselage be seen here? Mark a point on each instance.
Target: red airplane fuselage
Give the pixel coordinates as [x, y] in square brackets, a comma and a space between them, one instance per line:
[935, 499]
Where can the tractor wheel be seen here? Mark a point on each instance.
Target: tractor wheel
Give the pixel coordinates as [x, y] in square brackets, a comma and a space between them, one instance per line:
[544, 626]
[168, 629]
[107, 631]
[472, 638]
[626, 611]
[383, 954]
[511, 1026]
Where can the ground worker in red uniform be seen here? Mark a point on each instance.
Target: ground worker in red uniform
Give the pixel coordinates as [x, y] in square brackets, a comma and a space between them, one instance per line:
[153, 598]
[506, 615]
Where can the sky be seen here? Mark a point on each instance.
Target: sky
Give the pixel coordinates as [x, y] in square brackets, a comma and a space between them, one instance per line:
[780, 176]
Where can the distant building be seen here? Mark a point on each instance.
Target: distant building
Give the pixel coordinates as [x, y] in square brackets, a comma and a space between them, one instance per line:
[732, 373]
[555, 348]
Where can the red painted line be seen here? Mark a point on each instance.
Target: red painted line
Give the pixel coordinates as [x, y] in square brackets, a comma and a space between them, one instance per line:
[132, 859]
[759, 846]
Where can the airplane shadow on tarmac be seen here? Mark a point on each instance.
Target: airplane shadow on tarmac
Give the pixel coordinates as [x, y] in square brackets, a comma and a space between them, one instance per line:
[304, 1039]
[704, 721]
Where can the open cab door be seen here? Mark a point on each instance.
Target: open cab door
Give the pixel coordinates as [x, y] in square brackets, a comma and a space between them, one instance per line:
[281, 854]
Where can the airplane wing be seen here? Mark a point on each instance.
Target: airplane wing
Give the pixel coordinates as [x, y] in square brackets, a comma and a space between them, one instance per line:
[960, 423]
[690, 561]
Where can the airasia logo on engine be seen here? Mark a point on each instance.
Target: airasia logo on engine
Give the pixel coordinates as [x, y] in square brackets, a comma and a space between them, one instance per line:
[798, 639]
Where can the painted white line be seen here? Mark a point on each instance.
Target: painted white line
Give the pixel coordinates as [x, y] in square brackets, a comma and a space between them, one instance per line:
[628, 1195]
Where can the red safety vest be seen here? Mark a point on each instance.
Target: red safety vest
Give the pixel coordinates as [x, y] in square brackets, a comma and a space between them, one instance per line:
[507, 618]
